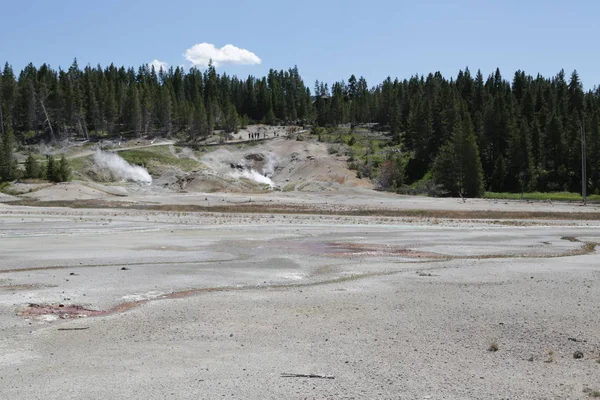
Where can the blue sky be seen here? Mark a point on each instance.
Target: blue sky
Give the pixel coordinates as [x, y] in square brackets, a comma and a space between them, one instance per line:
[328, 39]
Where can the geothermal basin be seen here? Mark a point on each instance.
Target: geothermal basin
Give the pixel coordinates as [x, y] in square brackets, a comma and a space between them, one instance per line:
[130, 303]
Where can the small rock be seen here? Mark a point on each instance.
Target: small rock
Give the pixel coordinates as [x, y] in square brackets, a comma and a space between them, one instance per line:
[231, 335]
[124, 269]
[530, 359]
[578, 354]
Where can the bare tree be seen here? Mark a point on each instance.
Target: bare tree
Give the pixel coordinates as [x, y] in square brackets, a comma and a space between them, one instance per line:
[47, 120]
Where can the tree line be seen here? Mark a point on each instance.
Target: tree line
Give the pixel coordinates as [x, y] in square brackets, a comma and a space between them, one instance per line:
[470, 133]
[55, 104]
[506, 136]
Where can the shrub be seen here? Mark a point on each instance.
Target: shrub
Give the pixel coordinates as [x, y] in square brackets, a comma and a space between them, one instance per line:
[493, 347]
[58, 171]
[32, 168]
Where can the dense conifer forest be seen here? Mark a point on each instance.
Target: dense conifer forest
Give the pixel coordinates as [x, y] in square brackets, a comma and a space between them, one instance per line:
[470, 133]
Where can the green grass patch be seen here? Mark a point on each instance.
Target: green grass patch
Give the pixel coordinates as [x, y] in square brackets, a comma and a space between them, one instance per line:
[79, 164]
[592, 393]
[5, 188]
[554, 196]
[155, 157]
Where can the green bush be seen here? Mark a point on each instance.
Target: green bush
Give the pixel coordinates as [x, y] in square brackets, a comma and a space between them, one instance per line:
[58, 171]
[33, 169]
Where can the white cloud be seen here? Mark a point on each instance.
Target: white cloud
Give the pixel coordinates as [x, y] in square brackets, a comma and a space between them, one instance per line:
[200, 54]
[158, 65]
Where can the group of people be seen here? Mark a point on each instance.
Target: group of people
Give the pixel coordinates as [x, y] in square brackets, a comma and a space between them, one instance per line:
[256, 135]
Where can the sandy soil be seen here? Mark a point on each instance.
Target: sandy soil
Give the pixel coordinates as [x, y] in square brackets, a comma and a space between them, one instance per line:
[217, 305]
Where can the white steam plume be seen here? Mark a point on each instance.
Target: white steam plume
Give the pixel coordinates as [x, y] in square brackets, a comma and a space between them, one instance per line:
[121, 168]
[255, 176]
[269, 168]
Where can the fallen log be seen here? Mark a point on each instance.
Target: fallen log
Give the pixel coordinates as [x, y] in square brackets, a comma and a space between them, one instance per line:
[307, 376]
[73, 329]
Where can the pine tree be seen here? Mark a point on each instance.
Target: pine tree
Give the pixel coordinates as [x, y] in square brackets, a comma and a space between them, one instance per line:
[231, 119]
[32, 167]
[445, 171]
[270, 117]
[51, 169]
[594, 152]
[458, 166]
[7, 101]
[134, 110]
[520, 158]
[165, 110]
[8, 164]
[420, 139]
[499, 175]
[395, 122]
[63, 173]
[200, 125]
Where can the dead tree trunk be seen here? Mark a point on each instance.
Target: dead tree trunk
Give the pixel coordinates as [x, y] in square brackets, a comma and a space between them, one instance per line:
[82, 129]
[52, 137]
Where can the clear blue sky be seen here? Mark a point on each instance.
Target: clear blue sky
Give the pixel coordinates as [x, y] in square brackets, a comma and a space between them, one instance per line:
[327, 39]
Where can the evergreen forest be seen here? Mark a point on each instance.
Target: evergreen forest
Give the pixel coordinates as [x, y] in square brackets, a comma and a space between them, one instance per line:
[470, 133]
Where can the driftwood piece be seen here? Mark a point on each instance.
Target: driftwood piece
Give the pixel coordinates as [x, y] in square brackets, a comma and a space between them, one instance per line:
[307, 376]
[74, 329]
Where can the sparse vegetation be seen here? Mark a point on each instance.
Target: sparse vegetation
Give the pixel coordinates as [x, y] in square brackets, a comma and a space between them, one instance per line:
[551, 196]
[591, 392]
[152, 158]
[570, 239]
[493, 347]
[5, 188]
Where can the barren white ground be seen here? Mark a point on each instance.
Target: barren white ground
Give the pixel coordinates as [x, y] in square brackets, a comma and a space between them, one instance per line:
[212, 305]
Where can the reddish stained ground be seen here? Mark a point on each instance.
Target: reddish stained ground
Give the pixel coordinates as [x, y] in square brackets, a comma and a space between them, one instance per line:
[342, 250]
[373, 250]
[61, 310]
